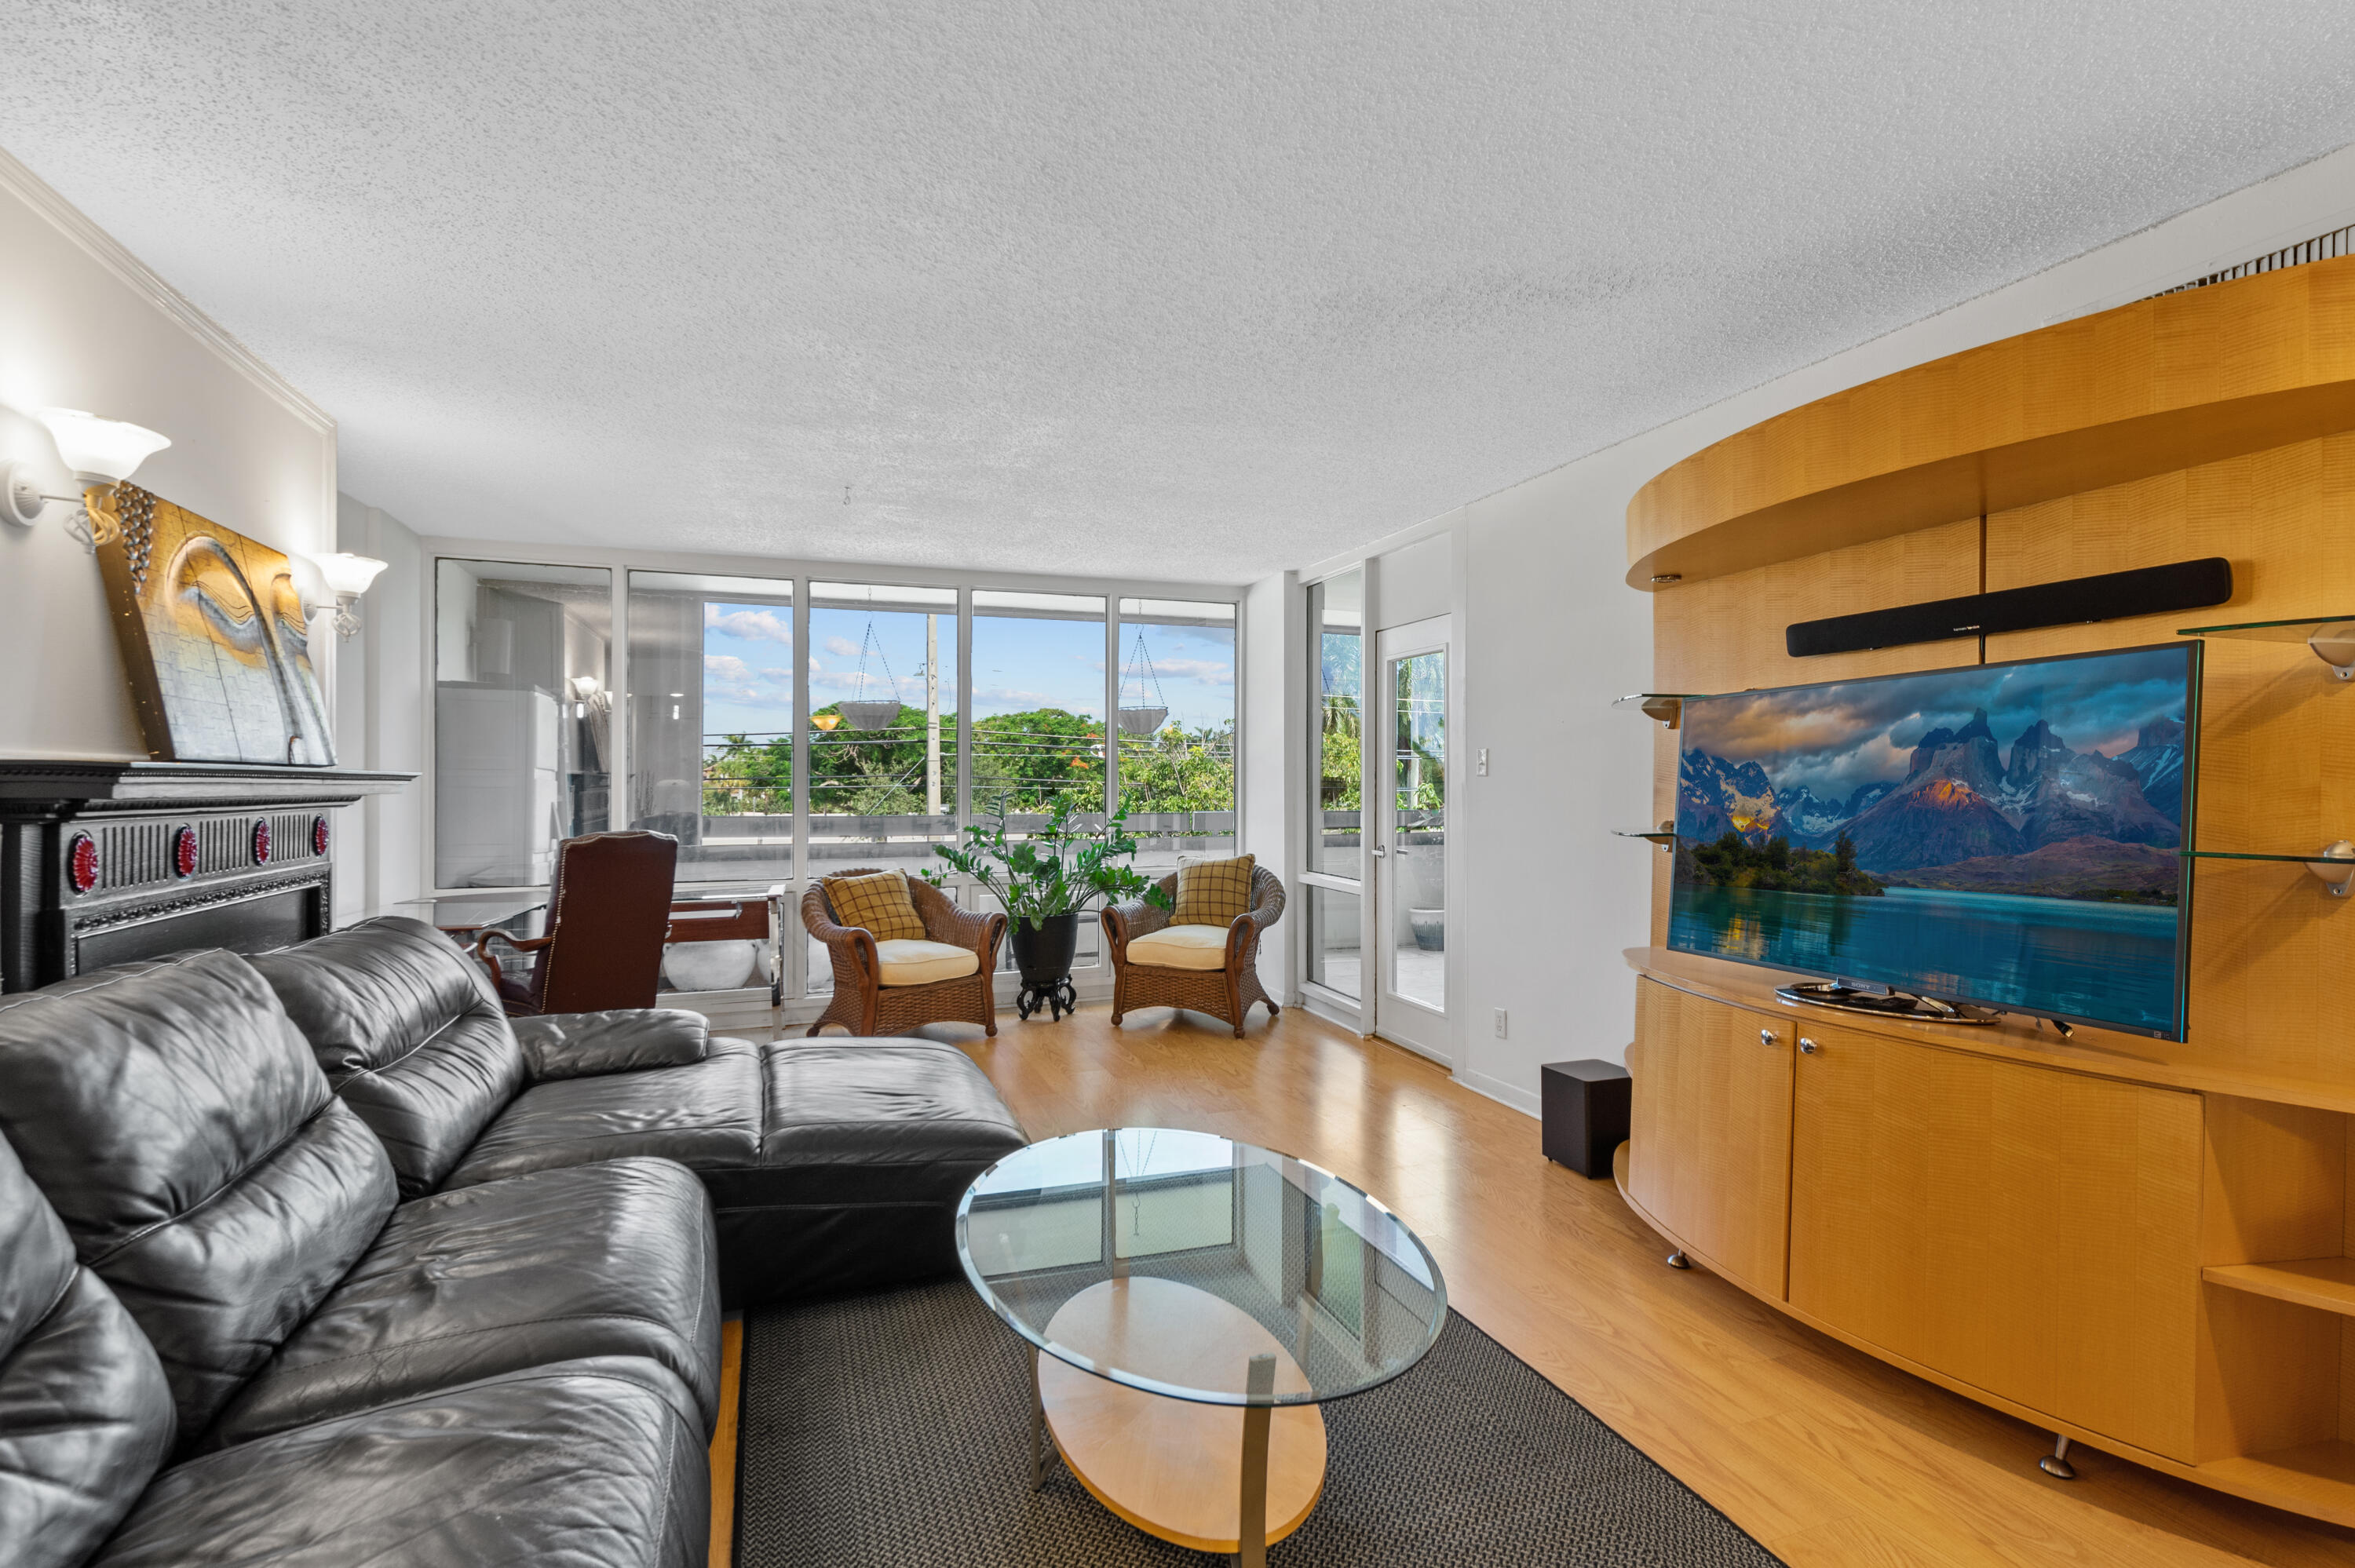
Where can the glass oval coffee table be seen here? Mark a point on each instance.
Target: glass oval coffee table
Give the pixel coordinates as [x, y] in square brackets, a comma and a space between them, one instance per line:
[1193, 1301]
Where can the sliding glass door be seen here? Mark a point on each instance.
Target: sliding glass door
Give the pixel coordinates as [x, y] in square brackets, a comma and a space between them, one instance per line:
[1410, 848]
[1333, 914]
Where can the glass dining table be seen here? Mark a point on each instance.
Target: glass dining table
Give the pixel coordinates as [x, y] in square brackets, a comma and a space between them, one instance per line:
[1190, 1302]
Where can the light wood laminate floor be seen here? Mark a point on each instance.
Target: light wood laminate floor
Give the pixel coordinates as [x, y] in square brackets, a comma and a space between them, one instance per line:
[1824, 1454]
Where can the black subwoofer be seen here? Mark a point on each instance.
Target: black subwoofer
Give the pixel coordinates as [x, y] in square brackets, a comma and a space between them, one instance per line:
[1585, 1107]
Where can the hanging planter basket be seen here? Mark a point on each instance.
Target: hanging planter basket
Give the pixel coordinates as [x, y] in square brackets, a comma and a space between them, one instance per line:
[862, 712]
[1143, 715]
[870, 715]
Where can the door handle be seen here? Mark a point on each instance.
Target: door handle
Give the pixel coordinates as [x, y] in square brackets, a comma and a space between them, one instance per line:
[1765, 1037]
[1807, 1047]
[1380, 854]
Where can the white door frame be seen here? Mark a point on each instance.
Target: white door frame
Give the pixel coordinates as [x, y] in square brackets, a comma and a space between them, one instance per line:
[1400, 1019]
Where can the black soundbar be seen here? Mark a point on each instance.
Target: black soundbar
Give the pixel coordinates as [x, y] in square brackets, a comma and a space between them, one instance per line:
[2113, 596]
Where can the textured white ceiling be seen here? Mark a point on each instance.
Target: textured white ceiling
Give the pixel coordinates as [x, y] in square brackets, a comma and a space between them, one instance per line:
[1199, 290]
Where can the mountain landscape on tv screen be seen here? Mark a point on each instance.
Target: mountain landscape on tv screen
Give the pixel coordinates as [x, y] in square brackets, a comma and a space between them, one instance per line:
[1958, 809]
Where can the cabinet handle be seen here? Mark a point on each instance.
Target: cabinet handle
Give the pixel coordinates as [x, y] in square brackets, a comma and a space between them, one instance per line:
[1765, 1037]
[1807, 1047]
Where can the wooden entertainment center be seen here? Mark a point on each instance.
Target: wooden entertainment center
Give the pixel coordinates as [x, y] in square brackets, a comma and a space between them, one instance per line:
[2142, 1245]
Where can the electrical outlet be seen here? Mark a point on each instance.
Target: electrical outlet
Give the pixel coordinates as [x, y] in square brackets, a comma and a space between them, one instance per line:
[1500, 1023]
[1484, 762]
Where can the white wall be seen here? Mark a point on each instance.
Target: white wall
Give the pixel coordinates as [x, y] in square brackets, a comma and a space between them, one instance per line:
[1275, 787]
[84, 325]
[381, 703]
[1549, 634]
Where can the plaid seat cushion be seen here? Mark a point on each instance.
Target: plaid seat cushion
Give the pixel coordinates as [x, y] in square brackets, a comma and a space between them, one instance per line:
[880, 902]
[1212, 892]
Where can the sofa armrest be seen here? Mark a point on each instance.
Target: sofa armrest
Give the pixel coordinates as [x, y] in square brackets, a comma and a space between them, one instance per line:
[623, 1040]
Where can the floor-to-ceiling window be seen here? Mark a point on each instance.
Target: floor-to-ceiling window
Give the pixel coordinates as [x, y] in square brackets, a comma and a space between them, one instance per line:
[522, 717]
[1038, 714]
[781, 728]
[1334, 915]
[1177, 728]
[712, 720]
[883, 721]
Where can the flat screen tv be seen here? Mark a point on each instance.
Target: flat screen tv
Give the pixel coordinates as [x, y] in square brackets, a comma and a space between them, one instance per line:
[1998, 835]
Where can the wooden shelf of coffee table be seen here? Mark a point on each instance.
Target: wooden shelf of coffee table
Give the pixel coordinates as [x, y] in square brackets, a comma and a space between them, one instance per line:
[1173, 1468]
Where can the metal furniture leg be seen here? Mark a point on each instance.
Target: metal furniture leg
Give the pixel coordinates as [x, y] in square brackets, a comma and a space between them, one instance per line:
[1042, 1445]
[2056, 1464]
[1251, 1544]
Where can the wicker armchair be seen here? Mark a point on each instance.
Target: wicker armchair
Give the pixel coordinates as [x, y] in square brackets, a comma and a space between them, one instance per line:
[1227, 992]
[864, 1006]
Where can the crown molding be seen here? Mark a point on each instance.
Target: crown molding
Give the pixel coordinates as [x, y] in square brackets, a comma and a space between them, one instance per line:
[144, 281]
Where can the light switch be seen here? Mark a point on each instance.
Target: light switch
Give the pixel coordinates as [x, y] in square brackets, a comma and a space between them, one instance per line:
[1484, 762]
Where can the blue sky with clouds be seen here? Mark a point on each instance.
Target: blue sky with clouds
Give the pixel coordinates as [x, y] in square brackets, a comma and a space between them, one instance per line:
[1018, 664]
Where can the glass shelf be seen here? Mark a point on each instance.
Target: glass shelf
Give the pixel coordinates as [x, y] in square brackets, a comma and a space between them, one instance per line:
[2296, 630]
[2331, 636]
[1667, 707]
[2333, 865]
[2308, 858]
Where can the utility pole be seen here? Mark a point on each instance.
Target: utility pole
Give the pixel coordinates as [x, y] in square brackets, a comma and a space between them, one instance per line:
[932, 715]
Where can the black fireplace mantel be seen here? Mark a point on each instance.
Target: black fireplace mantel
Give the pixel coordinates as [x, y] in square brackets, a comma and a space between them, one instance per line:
[104, 862]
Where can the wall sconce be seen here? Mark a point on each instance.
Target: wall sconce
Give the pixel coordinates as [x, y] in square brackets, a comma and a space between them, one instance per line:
[103, 453]
[587, 692]
[348, 577]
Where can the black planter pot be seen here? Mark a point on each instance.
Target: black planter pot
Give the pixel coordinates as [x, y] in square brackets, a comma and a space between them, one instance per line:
[1043, 953]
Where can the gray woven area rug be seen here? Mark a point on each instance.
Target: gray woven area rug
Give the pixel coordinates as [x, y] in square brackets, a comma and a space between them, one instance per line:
[889, 1431]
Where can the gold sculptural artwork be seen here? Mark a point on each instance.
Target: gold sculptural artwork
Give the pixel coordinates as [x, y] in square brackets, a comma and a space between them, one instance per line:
[214, 638]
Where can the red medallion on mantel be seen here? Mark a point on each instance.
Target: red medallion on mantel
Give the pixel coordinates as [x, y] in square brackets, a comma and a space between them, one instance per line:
[261, 841]
[81, 863]
[184, 851]
[319, 835]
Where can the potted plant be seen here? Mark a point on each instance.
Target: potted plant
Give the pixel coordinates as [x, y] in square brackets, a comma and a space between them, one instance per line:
[1045, 882]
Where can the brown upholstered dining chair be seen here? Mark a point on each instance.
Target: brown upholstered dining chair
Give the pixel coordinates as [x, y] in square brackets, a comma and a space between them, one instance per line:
[899, 963]
[1159, 958]
[608, 912]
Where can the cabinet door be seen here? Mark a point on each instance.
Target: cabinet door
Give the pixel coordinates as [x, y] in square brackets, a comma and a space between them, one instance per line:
[2029, 1231]
[1711, 1155]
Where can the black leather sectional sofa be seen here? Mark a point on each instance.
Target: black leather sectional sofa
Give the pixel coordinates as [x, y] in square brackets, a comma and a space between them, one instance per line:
[314, 1259]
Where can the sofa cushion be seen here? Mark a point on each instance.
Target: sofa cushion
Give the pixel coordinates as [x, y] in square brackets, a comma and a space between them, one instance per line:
[408, 1031]
[866, 1149]
[85, 1414]
[622, 1039]
[1212, 892]
[881, 903]
[704, 1115]
[616, 1258]
[588, 1464]
[1181, 947]
[177, 1122]
[907, 962]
